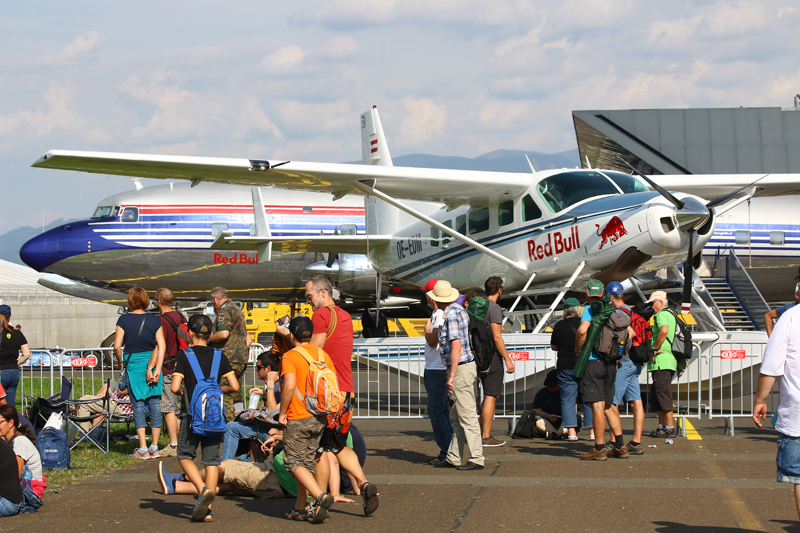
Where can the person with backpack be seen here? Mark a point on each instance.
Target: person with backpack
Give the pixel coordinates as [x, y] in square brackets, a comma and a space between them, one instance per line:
[200, 369]
[176, 337]
[12, 343]
[454, 344]
[143, 337]
[492, 380]
[663, 366]
[302, 370]
[597, 386]
[562, 341]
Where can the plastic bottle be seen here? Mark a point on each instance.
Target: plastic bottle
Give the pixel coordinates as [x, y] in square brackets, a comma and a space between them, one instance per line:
[621, 349]
[27, 476]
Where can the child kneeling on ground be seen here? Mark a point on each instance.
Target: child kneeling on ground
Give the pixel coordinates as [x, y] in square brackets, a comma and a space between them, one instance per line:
[200, 328]
[304, 430]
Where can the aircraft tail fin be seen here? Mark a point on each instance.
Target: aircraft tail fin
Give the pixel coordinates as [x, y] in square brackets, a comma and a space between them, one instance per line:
[374, 149]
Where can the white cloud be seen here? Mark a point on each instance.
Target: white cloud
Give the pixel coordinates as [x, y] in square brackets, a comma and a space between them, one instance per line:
[422, 120]
[157, 90]
[79, 47]
[339, 47]
[289, 56]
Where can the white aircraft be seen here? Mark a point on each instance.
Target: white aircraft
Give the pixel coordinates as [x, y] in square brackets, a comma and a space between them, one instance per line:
[549, 225]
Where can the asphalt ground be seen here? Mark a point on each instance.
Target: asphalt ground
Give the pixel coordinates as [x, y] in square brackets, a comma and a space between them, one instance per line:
[711, 483]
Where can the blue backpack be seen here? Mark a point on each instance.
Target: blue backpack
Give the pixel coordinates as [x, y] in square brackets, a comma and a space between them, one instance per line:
[206, 404]
[53, 448]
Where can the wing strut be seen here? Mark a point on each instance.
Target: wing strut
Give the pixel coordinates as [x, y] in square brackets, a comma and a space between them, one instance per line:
[264, 249]
[561, 294]
[514, 306]
[368, 190]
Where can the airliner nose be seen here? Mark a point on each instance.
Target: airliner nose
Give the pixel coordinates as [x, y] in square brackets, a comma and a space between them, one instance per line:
[35, 252]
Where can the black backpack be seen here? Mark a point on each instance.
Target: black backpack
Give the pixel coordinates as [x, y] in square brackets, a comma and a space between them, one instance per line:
[641, 351]
[525, 426]
[481, 338]
[614, 334]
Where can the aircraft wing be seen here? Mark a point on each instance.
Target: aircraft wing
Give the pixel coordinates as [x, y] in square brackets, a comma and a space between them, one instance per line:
[451, 187]
[711, 186]
[345, 244]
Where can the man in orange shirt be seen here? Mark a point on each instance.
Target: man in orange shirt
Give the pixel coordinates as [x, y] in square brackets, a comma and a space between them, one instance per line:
[303, 431]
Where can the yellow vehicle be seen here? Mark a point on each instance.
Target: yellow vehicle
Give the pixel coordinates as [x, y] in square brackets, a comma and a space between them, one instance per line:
[260, 318]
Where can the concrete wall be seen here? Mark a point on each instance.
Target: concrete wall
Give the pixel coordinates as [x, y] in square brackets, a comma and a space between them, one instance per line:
[50, 319]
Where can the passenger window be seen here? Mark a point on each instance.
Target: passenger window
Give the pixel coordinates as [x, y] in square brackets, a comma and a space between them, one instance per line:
[434, 236]
[446, 238]
[217, 228]
[505, 213]
[776, 238]
[742, 236]
[530, 211]
[479, 220]
[307, 209]
[461, 224]
[130, 214]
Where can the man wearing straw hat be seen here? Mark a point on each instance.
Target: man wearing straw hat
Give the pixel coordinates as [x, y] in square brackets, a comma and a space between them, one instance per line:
[461, 374]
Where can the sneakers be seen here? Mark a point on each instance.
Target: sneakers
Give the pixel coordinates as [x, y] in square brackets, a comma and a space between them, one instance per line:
[140, 453]
[168, 451]
[670, 433]
[593, 454]
[166, 480]
[619, 453]
[491, 441]
[635, 449]
[658, 433]
[153, 451]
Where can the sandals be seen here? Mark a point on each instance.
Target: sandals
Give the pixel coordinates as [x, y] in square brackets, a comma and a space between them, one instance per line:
[370, 494]
[318, 510]
[201, 507]
[572, 437]
[297, 516]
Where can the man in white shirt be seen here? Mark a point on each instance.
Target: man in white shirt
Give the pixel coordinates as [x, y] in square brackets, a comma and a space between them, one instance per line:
[782, 360]
[436, 378]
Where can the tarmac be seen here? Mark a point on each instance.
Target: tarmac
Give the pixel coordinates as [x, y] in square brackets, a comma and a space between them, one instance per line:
[708, 482]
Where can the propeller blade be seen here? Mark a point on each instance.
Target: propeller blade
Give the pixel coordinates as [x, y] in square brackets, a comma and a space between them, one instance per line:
[332, 256]
[663, 192]
[688, 270]
[722, 199]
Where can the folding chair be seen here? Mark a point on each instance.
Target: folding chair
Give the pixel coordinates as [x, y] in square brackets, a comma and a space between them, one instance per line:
[41, 408]
[105, 414]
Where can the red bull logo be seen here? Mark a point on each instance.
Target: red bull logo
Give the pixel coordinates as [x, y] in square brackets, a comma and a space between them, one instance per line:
[235, 259]
[612, 232]
[556, 243]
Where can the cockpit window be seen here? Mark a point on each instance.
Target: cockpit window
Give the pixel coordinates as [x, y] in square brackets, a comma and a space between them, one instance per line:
[130, 214]
[564, 190]
[625, 182]
[103, 211]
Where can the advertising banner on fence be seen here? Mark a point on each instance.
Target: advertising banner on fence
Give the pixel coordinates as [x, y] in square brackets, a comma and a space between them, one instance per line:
[518, 356]
[732, 354]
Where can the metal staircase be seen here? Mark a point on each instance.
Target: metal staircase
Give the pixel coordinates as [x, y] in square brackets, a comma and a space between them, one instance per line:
[733, 314]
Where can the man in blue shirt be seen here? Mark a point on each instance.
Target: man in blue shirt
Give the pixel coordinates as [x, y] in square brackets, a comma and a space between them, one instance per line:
[775, 314]
[461, 374]
[597, 386]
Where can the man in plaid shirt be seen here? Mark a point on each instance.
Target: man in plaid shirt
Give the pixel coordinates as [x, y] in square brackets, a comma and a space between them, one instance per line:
[461, 375]
[120, 404]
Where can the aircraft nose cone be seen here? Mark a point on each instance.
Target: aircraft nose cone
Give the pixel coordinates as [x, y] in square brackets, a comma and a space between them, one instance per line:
[35, 252]
[694, 214]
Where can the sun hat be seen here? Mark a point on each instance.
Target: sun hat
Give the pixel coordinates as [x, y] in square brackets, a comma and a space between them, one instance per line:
[571, 302]
[443, 292]
[657, 295]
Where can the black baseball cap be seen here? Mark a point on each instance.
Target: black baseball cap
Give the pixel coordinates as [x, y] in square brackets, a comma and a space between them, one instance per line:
[552, 379]
[200, 324]
[301, 327]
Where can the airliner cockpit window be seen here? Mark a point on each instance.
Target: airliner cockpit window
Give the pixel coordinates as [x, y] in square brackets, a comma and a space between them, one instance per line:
[567, 189]
[625, 182]
[103, 211]
[130, 214]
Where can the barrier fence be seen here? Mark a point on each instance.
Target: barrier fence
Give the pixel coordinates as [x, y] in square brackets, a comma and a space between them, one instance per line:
[388, 378]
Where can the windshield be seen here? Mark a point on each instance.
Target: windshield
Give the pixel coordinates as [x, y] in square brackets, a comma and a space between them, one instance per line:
[564, 190]
[103, 211]
[625, 182]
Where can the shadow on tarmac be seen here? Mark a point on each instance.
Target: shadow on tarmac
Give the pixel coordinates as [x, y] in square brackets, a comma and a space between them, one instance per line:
[400, 454]
[168, 508]
[791, 525]
[675, 527]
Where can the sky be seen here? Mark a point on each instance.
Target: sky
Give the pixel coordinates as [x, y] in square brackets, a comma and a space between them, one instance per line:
[288, 80]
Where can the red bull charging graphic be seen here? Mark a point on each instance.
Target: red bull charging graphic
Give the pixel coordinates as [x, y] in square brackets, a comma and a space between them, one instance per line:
[612, 232]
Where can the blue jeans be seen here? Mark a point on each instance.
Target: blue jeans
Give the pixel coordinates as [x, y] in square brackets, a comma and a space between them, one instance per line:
[10, 380]
[788, 459]
[438, 409]
[236, 431]
[153, 404]
[7, 507]
[570, 385]
[627, 384]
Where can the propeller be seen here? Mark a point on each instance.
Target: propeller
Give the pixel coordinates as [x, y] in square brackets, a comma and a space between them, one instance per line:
[332, 256]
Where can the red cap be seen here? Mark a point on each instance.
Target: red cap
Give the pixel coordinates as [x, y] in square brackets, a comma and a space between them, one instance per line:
[429, 286]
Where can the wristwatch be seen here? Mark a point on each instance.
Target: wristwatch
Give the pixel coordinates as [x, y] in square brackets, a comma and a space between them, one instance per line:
[151, 368]
[269, 388]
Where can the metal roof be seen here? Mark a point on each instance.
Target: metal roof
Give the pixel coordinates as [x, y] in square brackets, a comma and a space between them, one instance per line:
[12, 274]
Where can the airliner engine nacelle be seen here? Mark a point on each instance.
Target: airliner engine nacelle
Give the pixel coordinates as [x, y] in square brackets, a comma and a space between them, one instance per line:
[353, 274]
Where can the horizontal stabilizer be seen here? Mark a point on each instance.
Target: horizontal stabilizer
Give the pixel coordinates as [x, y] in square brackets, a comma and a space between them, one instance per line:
[345, 244]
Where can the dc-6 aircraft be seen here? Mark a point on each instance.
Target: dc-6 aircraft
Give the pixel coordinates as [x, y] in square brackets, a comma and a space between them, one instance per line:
[544, 227]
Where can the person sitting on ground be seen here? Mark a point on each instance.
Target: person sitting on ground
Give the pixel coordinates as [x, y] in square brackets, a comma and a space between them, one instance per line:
[200, 327]
[775, 314]
[10, 487]
[23, 442]
[547, 409]
[120, 404]
[267, 367]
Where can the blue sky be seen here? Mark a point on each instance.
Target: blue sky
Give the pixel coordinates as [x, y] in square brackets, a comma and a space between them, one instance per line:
[289, 79]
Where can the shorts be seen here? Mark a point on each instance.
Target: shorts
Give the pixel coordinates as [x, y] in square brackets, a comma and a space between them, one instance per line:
[334, 438]
[661, 390]
[626, 386]
[252, 479]
[301, 441]
[788, 459]
[188, 442]
[170, 402]
[597, 384]
[492, 382]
